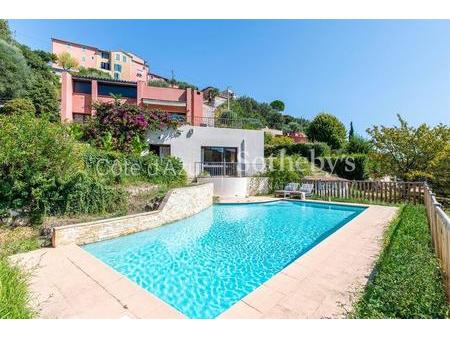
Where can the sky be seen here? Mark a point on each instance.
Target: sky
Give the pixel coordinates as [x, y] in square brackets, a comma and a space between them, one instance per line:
[360, 71]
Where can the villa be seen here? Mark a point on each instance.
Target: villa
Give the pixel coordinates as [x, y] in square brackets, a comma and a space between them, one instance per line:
[221, 150]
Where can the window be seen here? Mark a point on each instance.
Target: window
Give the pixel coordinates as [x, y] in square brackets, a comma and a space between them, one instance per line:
[117, 68]
[117, 57]
[160, 150]
[219, 161]
[80, 118]
[105, 55]
[117, 76]
[83, 59]
[82, 87]
[124, 59]
[107, 89]
[105, 65]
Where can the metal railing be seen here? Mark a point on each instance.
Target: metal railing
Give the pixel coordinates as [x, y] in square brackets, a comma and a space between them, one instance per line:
[230, 169]
[220, 122]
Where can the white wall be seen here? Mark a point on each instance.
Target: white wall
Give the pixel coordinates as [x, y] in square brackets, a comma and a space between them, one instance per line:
[187, 144]
[237, 186]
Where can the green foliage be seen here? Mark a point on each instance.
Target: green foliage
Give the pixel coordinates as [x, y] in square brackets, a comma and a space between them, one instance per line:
[67, 61]
[183, 84]
[277, 105]
[44, 95]
[83, 193]
[19, 106]
[158, 83]
[212, 93]
[351, 167]
[93, 72]
[327, 128]
[15, 73]
[116, 167]
[14, 296]
[271, 141]
[248, 108]
[121, 123]
[5, 33]
[303, 149]
[407, 282]
[292, 127]
[35, 157]
[358, 145]
[286, 169]
[410, 153]
[351, 133]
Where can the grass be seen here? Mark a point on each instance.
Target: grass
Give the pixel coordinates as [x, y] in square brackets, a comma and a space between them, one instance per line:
[14, 296]
[407, 281]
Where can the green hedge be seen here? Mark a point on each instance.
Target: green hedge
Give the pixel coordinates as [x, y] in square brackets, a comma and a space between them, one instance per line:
[407, 281]
[351, 167]
[303, 149]
[116, 167]
[287, 169]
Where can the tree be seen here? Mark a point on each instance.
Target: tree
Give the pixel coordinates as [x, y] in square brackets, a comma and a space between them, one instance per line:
[93, 72]
[409, 153]
[44, 95]
[358, 145]
[67, 61]
[15, 73]
[5, 33]
[158, 83]
[291, 127]
[327, 128]
[278, 105]
[19, 106]
[212, 93]
[351, 133]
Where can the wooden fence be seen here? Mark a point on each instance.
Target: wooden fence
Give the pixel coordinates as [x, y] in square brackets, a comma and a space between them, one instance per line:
[377, 191]
[439, 223]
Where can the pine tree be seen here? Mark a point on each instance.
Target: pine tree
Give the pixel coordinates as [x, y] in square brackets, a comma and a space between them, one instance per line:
[351, 133]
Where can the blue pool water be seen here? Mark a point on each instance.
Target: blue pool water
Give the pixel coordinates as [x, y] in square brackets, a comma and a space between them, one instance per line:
[204, 264]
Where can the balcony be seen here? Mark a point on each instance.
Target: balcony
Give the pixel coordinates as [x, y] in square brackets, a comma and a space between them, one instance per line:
[228, 169]
[219, 122]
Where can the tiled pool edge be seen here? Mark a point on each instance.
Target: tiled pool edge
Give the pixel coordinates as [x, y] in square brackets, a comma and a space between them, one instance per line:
[277, 297]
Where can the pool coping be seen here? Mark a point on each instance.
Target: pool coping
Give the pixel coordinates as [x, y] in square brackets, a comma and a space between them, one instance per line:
[126, 299]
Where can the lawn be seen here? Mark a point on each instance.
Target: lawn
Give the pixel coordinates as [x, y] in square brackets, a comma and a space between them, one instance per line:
[14, 296]
[407, 281]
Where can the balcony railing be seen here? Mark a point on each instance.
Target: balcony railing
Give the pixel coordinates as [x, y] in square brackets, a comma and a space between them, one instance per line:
[221, 122]
[230, 169]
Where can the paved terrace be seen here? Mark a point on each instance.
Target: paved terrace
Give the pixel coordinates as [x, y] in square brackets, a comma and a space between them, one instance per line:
[67, 282]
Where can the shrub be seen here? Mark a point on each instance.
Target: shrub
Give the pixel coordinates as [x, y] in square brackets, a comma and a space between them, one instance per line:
[358, 145]
[302, 149]
[286, 169]
[124, 122]
[35, 157]
[93, 72]
[44, 95]
[86, 194]
[351, 167]
[116, 167]
[407, 281]
[19, 106]
[158, 83]
[327, 128]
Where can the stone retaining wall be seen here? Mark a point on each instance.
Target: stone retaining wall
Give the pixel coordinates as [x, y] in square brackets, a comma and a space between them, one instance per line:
[179, 203]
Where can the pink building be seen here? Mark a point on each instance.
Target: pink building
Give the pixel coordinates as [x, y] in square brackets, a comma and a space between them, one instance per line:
[78, 93]
[119, 64]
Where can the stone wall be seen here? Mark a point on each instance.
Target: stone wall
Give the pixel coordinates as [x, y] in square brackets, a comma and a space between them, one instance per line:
[179, 203]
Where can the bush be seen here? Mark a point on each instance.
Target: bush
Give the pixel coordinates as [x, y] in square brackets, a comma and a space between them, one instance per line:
[123, 123]
[327, 128]
[358, 145]
[302, 149]
[407, 281]
[35, 157]
[351, 167]
[158, 83]
[19, 106]
[116, 167]
[286, 169]
[85, 194]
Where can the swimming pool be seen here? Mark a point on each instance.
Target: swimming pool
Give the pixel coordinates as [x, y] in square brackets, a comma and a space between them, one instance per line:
[204, 264]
